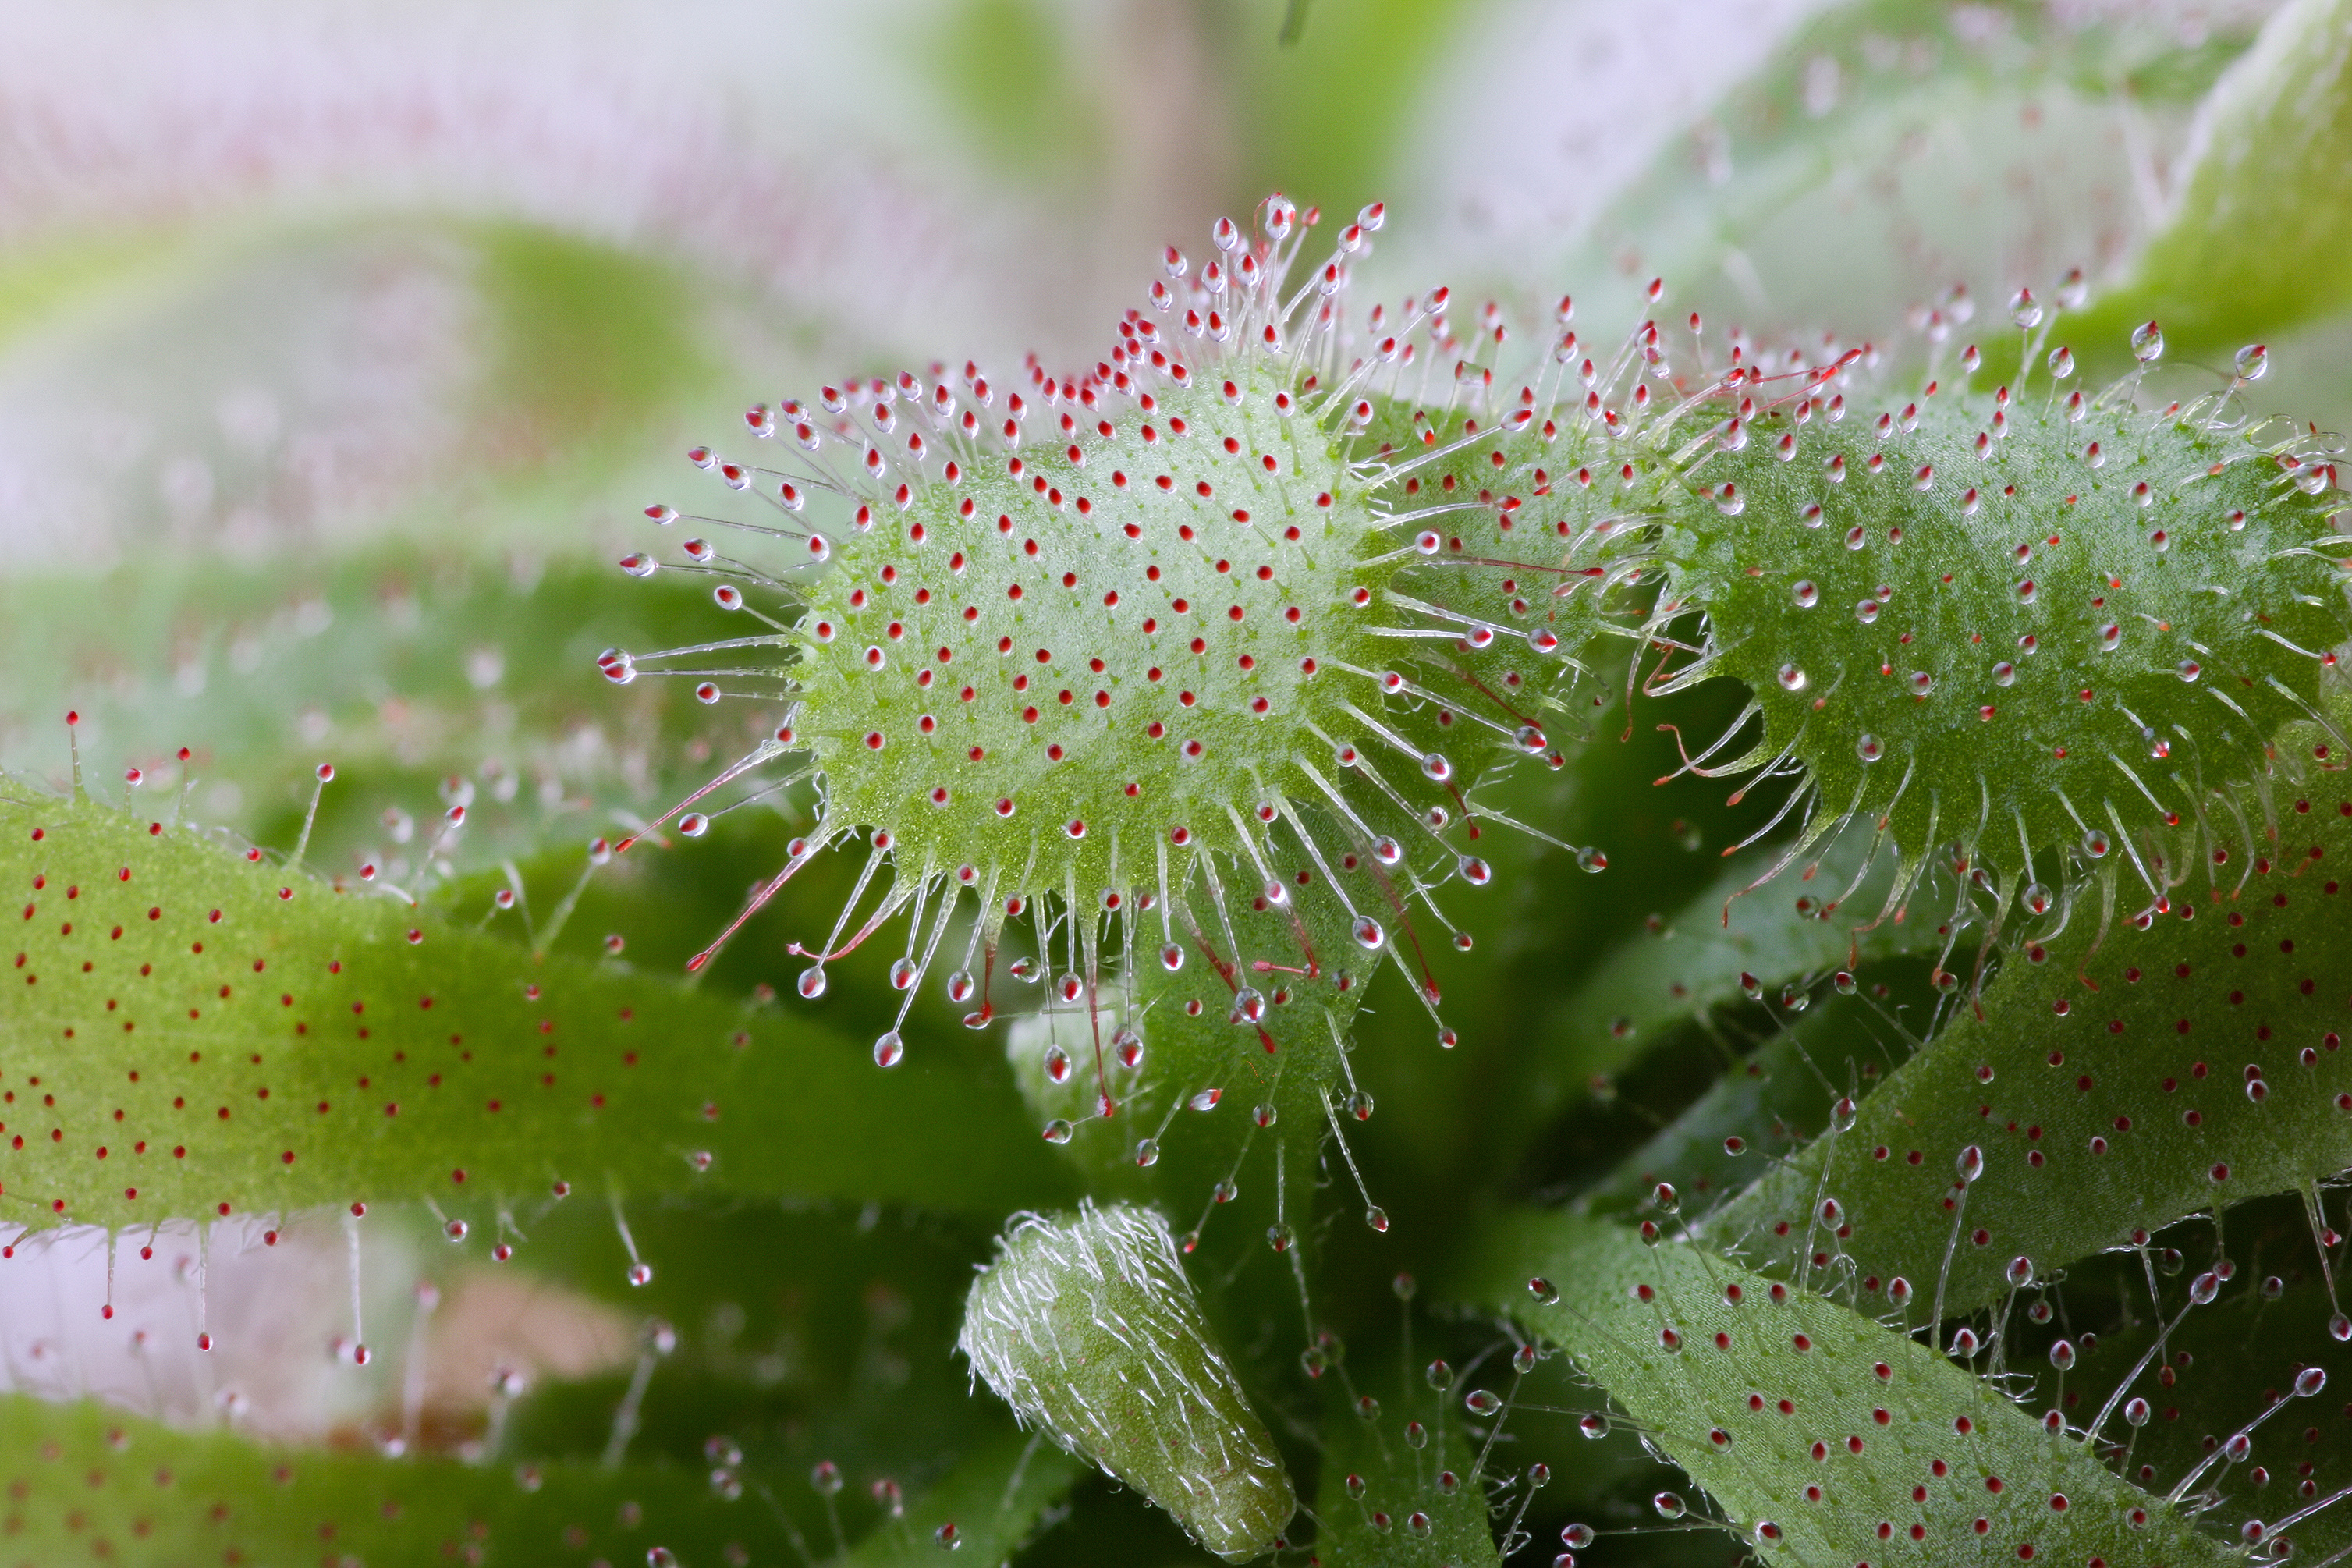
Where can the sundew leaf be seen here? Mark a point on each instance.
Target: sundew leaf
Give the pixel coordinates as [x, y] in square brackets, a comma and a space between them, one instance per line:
[1402, 1483]
[2013, 627]
[1774, 1101]
[1919, 145]
[2254, 1364]
[1743, 938]
[2119, 1075]
[214, 1036]
[85, 1480]
[429, 680]
[991, 1505]
[1220, 759]
[2258, 240]
[1806, 1424]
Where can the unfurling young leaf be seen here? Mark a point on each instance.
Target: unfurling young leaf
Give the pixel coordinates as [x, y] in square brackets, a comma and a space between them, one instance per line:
[1087, 1326]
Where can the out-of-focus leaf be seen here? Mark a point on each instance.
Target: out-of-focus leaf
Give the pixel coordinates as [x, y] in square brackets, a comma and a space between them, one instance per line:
[86, 1481]
[1886, 152]
[428, 679]
[2260, 237]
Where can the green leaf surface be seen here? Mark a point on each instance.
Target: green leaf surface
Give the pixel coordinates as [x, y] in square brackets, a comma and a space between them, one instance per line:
[2260, 237]
[1402, 1488]
[85, 1481]
[2121, 1075]
[88, 1482]
[427, 679]
[1778, 1409]
[1698, 960]
[2010, 628]
[989, 1505]
[220, 1034]
[1770, 1102]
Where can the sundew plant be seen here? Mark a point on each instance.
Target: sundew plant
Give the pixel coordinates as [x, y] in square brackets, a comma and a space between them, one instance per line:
[1360, 928]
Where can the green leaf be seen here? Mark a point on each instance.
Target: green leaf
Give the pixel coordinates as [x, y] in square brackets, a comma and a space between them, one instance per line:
[990, 1505]
[1886, 149]
[426, 679]
[219, 1034]
[1776, 1099]
[2259, 238]
[1402, 1486]
[1706, 1376]
[84, 1480]
[1702, 958]
[2119, 1075]
[1936, 663]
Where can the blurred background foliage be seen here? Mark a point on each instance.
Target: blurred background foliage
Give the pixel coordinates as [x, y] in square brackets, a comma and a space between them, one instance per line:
[341, 345]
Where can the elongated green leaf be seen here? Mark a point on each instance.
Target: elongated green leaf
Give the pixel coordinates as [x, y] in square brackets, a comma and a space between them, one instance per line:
[1820, 1435]
[212, 1034]
[2116, 1079]
[85, 1481]
[1708, 955]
